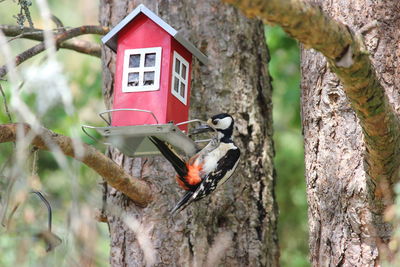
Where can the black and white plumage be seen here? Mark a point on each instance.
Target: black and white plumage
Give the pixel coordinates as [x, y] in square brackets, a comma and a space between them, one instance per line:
[210, 167]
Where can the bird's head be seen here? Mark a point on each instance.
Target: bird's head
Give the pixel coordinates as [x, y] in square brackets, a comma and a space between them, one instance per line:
[223, 124]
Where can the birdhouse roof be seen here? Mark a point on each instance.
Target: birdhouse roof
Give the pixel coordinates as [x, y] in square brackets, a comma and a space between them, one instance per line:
[110, 39]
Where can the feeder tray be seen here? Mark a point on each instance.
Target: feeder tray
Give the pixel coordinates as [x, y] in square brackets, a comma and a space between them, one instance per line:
[133, 140]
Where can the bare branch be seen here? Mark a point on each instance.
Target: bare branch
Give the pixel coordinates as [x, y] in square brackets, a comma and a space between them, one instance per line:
[59, 38]
[26, 32]
[5, 104]
[81, 46]
[57, 21]
[349, 60]
[137, 190]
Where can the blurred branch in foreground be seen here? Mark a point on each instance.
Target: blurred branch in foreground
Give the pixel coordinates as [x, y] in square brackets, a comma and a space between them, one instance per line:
[44, 139]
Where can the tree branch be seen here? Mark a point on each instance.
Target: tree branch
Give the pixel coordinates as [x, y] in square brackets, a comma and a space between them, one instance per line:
[349, 59]
[59, 38]
[80, 46]
[137, 190]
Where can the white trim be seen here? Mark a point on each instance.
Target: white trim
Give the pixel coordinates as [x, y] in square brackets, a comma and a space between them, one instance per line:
[180, 78]
[141, 70]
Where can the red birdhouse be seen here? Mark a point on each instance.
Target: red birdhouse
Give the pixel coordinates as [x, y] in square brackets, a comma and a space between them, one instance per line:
[153, 70]
[151, 86]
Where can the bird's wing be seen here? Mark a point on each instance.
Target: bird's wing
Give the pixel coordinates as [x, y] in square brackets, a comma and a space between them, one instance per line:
[168, 152]
[225, 168]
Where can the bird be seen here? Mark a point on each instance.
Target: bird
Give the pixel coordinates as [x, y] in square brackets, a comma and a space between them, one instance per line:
[209, 168]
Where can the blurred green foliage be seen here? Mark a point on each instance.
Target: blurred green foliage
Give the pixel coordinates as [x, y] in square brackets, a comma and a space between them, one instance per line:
[289, 157]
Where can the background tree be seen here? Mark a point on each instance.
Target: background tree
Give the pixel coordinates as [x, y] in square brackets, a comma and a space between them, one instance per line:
[345, 215]
[350, 123]
[241, 218]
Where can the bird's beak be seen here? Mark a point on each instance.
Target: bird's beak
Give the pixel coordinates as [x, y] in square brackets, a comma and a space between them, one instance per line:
[203, 128]
[209, 123]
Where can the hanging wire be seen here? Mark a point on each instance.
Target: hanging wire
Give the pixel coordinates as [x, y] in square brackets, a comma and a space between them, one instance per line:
[50, 215]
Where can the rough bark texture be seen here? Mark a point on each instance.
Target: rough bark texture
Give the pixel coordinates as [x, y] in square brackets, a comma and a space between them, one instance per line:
[235, 81]
[345, 218]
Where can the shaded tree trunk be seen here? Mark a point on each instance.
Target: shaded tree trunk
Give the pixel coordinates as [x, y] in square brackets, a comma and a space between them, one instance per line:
[241, 216]
[345, 219]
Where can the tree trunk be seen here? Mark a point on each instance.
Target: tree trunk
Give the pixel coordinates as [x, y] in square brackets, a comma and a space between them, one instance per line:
[239, 221]
[345, 219]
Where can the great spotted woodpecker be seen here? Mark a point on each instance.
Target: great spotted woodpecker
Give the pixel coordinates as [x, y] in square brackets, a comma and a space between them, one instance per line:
[210, 167]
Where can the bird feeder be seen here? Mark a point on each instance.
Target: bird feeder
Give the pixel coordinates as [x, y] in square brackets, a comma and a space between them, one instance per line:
[151, 85]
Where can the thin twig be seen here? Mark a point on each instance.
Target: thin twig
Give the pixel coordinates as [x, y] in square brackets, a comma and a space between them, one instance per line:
[9, 218]
[5, 104]
[58, 22]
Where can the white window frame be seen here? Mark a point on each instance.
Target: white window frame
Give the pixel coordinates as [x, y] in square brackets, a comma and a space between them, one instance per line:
[141, 70]
[180, 78]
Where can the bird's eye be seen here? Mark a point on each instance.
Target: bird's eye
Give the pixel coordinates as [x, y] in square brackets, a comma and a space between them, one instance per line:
[214, 122]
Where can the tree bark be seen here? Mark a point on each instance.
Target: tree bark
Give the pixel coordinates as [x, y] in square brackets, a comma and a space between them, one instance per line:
[345, 216]
[236, 226]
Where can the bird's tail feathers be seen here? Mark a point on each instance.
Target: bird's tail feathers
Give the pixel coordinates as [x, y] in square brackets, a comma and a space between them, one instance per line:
[183, 203]
[168, 152]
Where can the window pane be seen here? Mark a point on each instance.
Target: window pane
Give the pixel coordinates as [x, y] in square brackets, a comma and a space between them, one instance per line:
[182, 93]
[133, 79]
[148, 78]
[134, 61]
[177, 65]
[183, 74]
[150, 60]
[176, 85]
